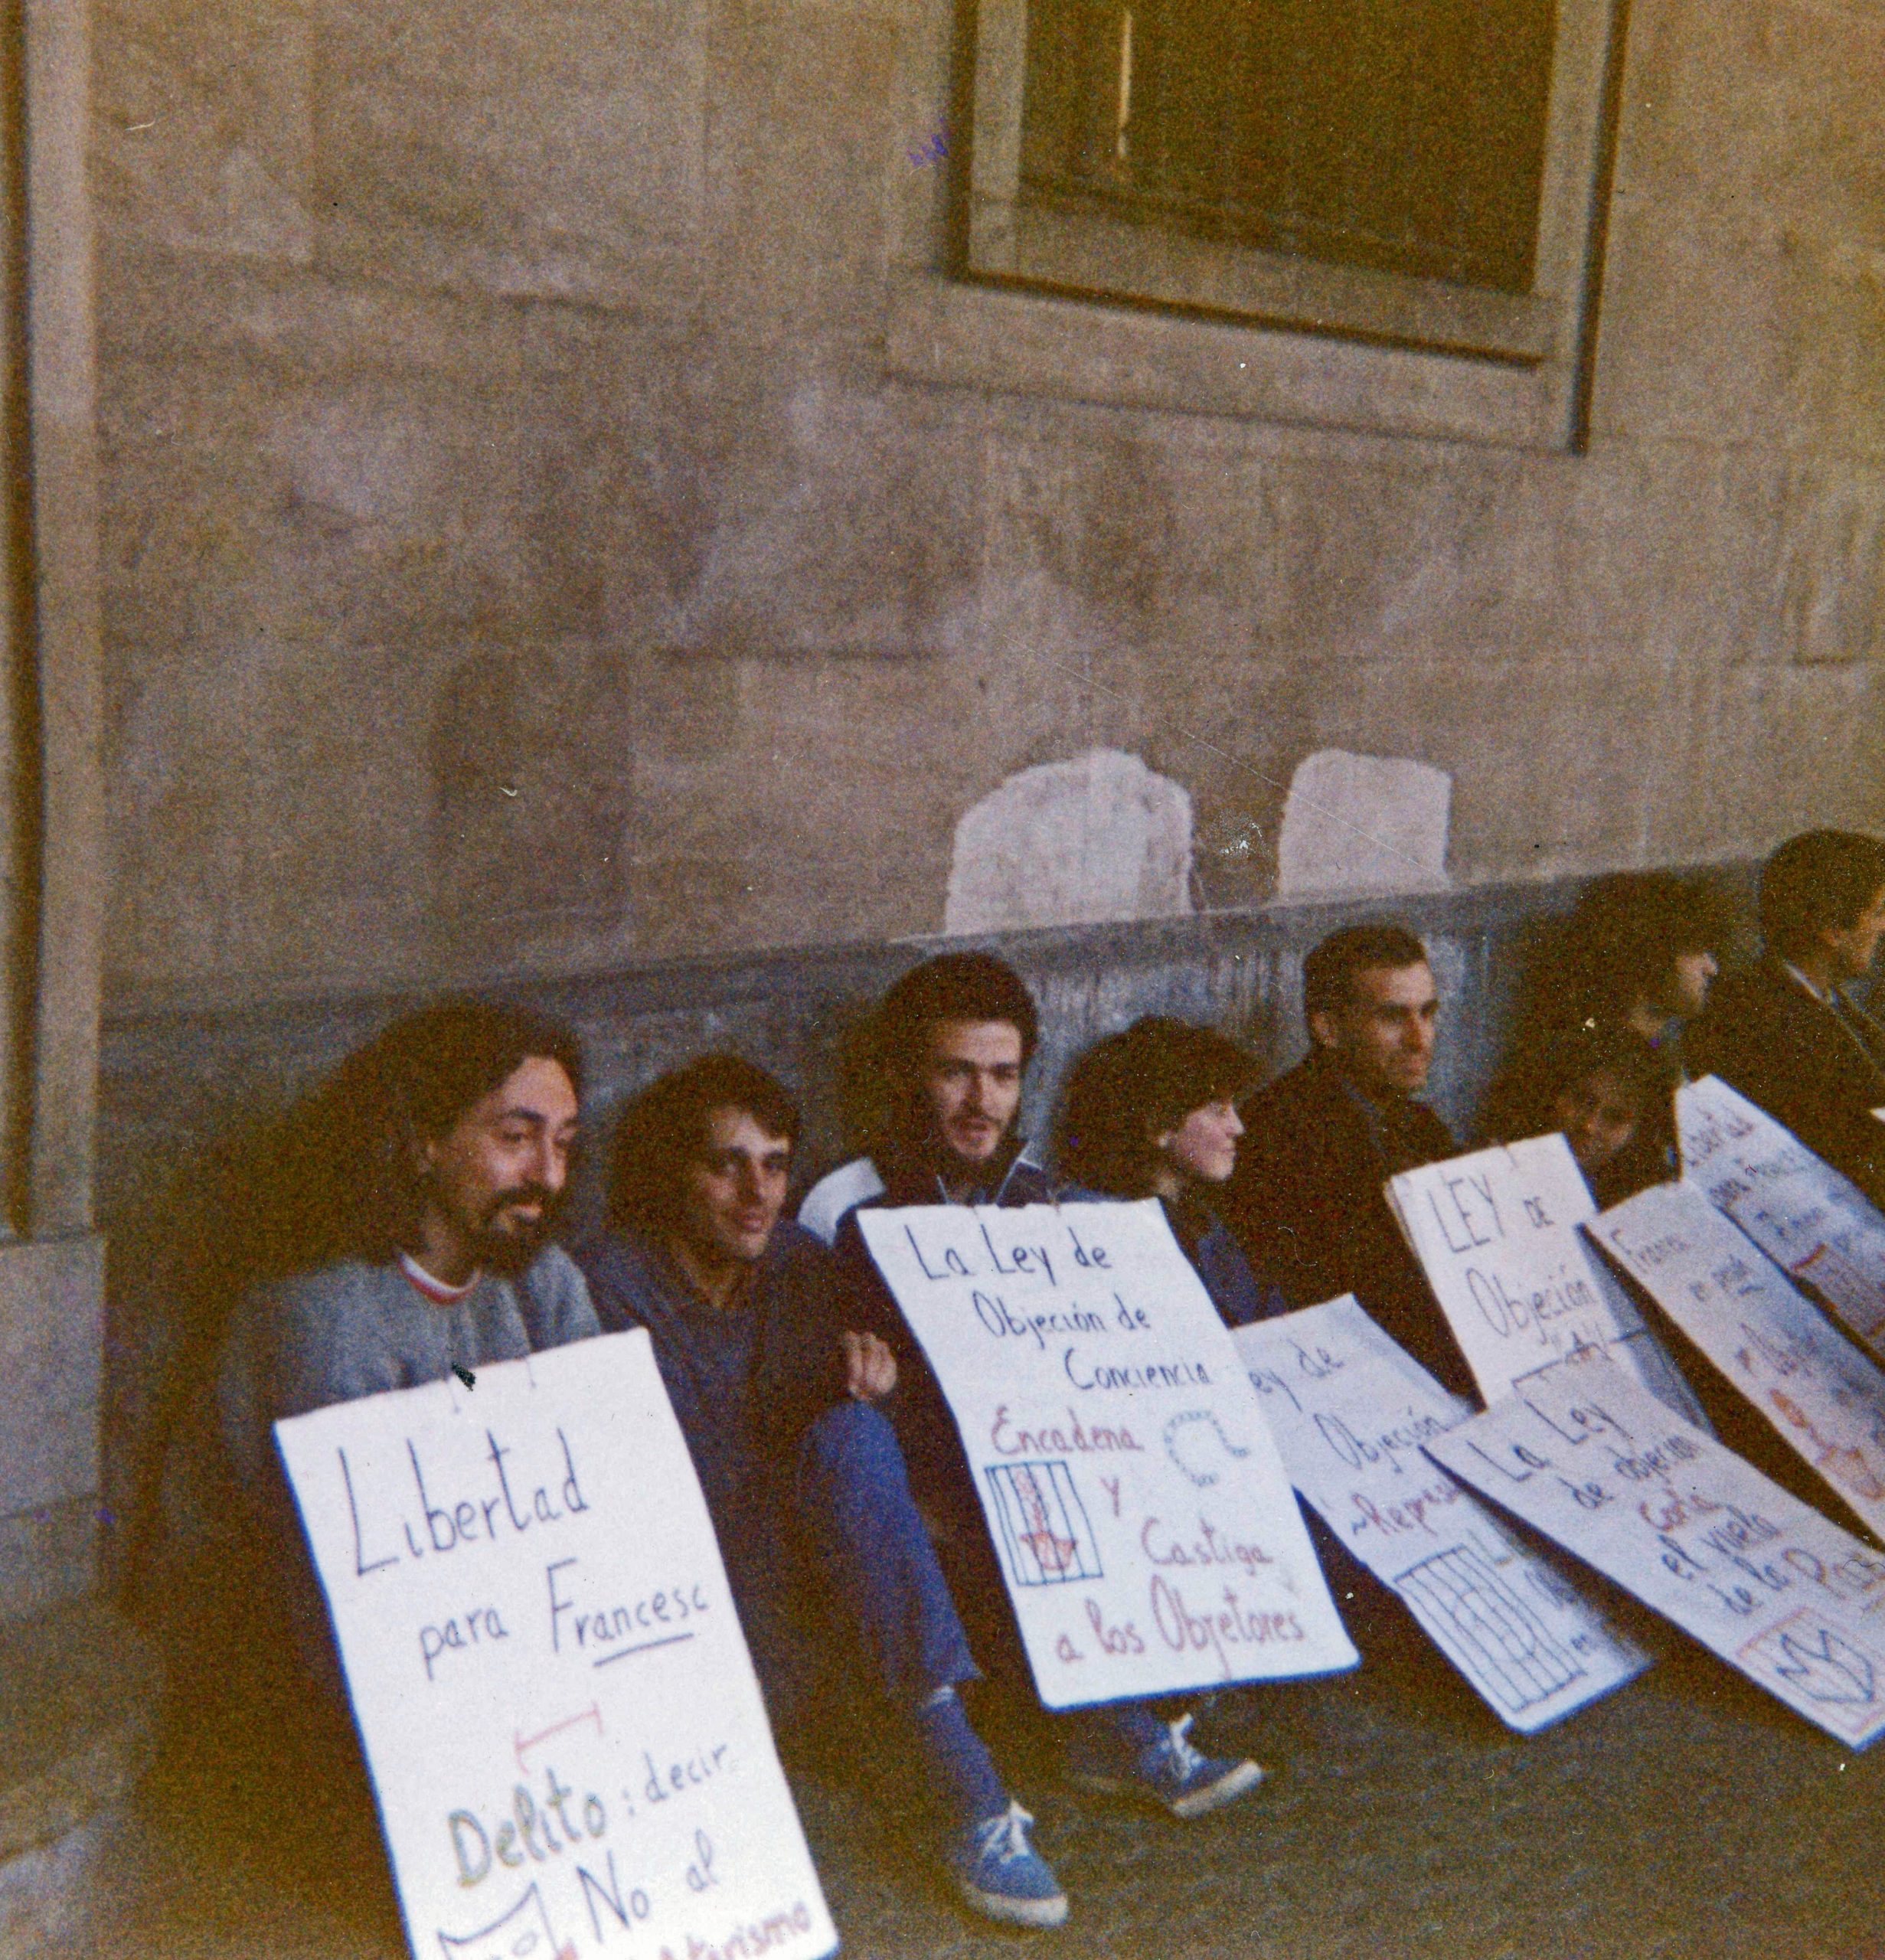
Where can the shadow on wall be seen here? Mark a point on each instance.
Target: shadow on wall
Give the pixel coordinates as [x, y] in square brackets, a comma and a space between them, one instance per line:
[529, 802]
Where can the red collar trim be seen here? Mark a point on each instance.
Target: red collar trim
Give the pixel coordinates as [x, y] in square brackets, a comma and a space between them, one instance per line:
[435, 1290]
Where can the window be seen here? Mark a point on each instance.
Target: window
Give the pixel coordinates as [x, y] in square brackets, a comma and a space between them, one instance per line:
[1402, 135]
[1383, 214]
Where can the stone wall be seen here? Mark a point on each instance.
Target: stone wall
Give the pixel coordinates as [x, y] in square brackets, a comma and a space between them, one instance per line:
[527, 550]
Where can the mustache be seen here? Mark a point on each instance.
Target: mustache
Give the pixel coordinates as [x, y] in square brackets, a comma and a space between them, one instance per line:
[525, 1193]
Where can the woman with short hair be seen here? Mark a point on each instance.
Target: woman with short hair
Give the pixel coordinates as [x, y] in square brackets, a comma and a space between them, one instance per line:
[1151, 1112]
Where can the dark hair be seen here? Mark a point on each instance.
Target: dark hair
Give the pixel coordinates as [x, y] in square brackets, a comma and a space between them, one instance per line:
[348, 1164]
[335, 1175]
[954, 986]
[1328, 973]
[1125, 1089]
[1627, 932]
[664, 1127]
[1821, 880]
[1520, 1103]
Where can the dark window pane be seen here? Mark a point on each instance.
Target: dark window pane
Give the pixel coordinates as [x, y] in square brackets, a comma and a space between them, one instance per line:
[1406, 136]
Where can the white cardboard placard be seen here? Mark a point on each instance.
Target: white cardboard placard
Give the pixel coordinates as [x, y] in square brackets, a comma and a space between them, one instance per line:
[1823, 1398]
[1143, 1519]
[1350, 1409]
[1496, 1233]
[1589, 1457]
[565, 1733]
[1809, 1219]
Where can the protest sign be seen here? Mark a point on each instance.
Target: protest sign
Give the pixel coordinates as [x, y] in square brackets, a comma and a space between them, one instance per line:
[564, 1731]
[1587, 1455]
[1146, 1529]
[1809, 1220]
[1350, 1410]
[1496, 1233]
[1824, 1397]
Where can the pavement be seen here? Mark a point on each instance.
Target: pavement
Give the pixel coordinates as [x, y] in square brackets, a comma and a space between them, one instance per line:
[1686, 1817]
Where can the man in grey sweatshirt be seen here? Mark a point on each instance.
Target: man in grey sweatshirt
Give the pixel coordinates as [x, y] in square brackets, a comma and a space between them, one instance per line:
[418, 1197]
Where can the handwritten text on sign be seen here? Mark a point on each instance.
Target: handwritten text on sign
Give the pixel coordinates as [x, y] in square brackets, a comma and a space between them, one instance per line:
[562, 1722]
[1496, 1234]
[1350, 1410]
[1825, 1399]
[1805, 1215]
[1590, 1457]
[1146, 1528]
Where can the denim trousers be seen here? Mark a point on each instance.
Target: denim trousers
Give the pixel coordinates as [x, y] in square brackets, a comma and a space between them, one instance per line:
[860, 1524]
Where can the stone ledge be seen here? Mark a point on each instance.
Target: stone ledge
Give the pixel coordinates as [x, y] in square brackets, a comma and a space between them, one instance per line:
[78, 1698]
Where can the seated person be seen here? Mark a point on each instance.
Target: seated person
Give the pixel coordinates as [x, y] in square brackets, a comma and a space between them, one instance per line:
[774, 1396]
[966, 1023]
[1306, 1198]
[1639, 952]
[1152, 1112]
[1785, 1031]
[1606, 1092]
[1636, 957]
[955, 1038]
[430, 1172]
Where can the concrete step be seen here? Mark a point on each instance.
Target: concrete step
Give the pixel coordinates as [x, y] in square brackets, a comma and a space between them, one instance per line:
[78, 1706]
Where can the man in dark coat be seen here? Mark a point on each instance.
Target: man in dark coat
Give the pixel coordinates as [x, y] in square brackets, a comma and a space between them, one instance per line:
[1320, 1141]
[1784, 1031]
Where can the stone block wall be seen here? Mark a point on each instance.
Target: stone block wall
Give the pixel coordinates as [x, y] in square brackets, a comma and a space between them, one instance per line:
[527, 551]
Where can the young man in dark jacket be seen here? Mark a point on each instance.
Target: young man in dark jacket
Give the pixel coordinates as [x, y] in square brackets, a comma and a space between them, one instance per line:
[774, 1393]
[955, 1035]
[1320, 1141]
[1784, 1031]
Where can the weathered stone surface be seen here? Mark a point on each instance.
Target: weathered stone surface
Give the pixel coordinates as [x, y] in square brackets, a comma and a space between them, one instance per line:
[555, 411]
[479, 147]
[1830, 600]
[52, 1295]
[49, 1447]
[799, 142]
[1734, 103]
[1731, 326]
[838, 529]
[203, 133]
[47, 1556]
[77, 1704]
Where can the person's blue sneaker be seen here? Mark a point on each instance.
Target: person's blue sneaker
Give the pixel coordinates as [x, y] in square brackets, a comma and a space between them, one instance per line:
[1170, 1773]
[1002, 1875]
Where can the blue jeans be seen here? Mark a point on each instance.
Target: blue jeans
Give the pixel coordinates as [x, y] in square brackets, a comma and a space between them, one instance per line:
[860, 1523]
